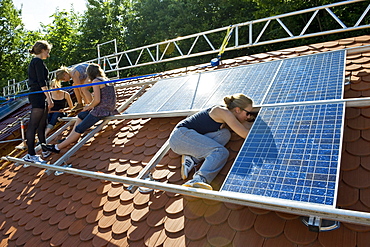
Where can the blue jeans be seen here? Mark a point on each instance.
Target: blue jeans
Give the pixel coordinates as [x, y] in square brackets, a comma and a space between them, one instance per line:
[209, 147]
[88, 120]
[53, 118]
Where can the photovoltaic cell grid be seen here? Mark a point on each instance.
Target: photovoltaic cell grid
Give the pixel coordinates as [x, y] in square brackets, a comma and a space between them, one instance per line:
[154, 98]
[206, 89]
[291, 153]
[194, 93]
[309, 78]
[251, 80]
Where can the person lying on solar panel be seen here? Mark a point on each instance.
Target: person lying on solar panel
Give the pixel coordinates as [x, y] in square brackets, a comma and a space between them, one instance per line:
[102, 105]
[203, 136]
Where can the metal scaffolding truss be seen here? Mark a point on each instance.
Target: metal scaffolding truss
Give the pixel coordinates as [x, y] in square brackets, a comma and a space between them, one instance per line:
[185, 47]
[244, 35]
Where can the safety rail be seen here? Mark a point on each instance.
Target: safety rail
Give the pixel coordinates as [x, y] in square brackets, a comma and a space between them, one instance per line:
[184, 47]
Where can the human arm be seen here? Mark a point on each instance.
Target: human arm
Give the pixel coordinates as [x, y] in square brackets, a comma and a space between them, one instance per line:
[96, 99]
[223, 115]
[48, 97]
[75, 75]
[69, 100]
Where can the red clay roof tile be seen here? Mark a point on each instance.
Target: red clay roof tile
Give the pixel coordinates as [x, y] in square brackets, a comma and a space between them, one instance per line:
[249, 238]
[111, 205]
[242, 219]
[217, 214]
[88, 232]
[161, 218]
[347, 195]
[140, 214]
[281, 240]
[269, 225]
[356, 148]
[339, 237]
[137, 231]
[349, 162]
[359, 178]
[101, 238]
[220, 235]
[94, 216]
[196, 229]
[107, 220]
[175, 205]
[121, 226]
[83, 211]
[125, 209]
[156, 218]
[298, 233]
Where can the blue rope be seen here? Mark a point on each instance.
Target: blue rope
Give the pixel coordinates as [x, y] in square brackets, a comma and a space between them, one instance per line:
[12, 97]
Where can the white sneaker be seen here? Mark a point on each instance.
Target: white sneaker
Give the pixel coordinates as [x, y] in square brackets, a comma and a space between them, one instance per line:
[32, 159]
[198, 182]
[187, 163]
[45, 154]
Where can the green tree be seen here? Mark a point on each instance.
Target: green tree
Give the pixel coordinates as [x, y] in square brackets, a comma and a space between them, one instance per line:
[13, 44]
[63, 34]
[103, 21]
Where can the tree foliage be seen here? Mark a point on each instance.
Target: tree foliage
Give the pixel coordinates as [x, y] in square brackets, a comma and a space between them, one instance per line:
[12, 44]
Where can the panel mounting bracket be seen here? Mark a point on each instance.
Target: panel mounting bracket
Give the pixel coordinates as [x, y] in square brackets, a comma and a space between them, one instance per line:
[317, 224]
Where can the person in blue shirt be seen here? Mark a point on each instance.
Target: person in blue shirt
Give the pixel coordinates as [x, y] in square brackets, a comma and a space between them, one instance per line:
[38, 79]
[203, 136]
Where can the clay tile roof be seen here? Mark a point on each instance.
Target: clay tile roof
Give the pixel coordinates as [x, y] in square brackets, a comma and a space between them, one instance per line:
[68, 210]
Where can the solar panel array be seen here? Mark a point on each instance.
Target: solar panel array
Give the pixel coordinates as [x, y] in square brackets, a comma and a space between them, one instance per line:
[306, 78]
[291, 153]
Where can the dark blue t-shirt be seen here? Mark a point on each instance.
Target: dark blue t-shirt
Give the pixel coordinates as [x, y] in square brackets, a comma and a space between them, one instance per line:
[201, 122]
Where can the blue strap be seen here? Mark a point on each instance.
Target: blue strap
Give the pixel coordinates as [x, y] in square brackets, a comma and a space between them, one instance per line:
[78, 86]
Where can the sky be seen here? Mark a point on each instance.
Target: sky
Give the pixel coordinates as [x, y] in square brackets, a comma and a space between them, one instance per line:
[36, 11]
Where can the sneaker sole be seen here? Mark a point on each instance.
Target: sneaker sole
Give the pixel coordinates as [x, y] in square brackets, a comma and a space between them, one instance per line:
[187, 185]
[45, 156]
[202, 186]
[183, 175]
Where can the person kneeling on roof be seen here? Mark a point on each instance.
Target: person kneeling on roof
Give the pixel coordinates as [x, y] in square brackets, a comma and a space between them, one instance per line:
[102, 105]
[203, 136]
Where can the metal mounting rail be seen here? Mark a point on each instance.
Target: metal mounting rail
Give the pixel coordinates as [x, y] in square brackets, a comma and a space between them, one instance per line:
[273, 204]
[105, 121]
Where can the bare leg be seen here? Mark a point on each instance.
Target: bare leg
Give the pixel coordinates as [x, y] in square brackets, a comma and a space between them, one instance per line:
[78, 94]
[72, 137]
[86, 95]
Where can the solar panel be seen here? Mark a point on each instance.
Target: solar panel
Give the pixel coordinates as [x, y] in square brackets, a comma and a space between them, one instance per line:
[193, 94]
[251, 80]
[154, 98]
[309, 78]
[291, 153]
